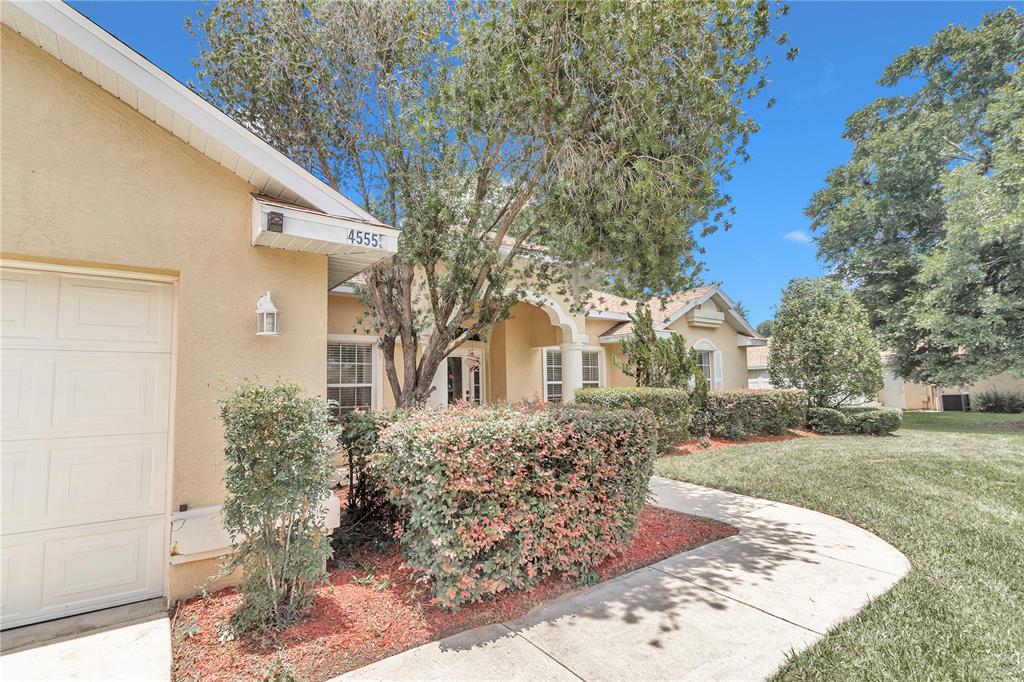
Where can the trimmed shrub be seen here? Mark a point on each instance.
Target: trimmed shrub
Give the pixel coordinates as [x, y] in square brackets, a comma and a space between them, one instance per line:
[741, 413]
[994, 400]
[279, 448]
[868, 421]
[878, 422]
[827, 421]
[497, 498]
[672, 408]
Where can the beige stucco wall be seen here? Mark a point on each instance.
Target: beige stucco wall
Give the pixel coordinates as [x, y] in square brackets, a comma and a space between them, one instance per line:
[724, 338]
[999, 382]
[87, 179]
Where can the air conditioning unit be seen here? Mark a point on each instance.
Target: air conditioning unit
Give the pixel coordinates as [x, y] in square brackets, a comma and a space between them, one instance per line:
[955, 402]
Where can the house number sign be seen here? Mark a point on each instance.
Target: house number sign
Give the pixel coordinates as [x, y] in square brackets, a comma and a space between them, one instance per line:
[365, 238]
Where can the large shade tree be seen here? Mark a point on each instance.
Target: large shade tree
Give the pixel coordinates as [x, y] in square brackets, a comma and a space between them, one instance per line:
[926, 220]
[516, 144]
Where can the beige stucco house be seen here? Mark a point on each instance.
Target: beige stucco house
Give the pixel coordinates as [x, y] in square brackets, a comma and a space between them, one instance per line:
[140, 227]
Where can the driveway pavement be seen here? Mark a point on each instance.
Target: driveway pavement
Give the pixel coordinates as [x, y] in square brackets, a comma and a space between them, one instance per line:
[731, 610]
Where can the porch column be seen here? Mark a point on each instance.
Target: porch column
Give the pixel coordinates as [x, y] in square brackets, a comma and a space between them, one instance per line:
[572, 370]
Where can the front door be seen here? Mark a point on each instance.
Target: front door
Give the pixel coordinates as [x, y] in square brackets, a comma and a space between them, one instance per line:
[455, 380]
[460, 378]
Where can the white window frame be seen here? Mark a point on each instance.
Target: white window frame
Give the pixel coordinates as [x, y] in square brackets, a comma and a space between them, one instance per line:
[544, 374]
[377, 357]
[601, 379]
[717, 378]
[601, 372]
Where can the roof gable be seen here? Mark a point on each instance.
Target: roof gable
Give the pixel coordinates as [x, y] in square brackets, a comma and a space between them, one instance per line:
[664, 313]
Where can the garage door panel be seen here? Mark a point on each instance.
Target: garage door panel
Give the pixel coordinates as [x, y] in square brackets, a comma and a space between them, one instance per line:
[78, 569]
[20, 584]
[50, 394]
[103, 312]
[28, 304]
[119, 393]
[65, 482]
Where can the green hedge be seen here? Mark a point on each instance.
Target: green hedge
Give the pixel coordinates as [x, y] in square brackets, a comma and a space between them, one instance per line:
[672, 407]
[741, 413]
[869, 421]
[497, 498]
[994, 400]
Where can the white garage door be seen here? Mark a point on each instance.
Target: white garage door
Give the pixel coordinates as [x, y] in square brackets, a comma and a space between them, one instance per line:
[86, 378]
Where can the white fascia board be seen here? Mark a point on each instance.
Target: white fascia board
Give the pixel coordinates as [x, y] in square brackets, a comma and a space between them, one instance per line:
[608, 315]
[616, 338]
[749, 342]
[324, 228]
[683, 310]
[742, 325]
[76, 29]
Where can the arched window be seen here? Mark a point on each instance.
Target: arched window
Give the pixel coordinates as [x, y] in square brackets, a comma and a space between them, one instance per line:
[710, 360]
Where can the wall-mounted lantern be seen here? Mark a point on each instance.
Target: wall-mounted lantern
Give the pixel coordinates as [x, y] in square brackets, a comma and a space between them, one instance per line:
[267, 316]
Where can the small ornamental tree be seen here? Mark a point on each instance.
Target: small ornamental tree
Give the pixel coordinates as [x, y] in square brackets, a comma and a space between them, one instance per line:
[279, 452]
[660, 362]
[821, 343]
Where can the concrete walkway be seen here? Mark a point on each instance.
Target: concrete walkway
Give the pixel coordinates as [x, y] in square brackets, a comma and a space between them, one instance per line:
[730, 610]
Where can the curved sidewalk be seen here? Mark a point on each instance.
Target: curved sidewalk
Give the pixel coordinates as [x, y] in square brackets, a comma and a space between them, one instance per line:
[730, 610]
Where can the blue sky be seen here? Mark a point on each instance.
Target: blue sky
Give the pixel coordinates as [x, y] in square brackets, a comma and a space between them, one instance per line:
[843, 48]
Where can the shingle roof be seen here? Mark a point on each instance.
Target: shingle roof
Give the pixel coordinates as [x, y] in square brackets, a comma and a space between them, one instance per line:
[757, 357]
[659, 313]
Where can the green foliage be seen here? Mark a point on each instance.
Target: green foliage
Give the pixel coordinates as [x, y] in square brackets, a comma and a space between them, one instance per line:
[764, 329]
[741, 413]
[871, 421]
[994, 400]
[827, 420]
[597, 131]
[822, 343]
[368, 509]
[279, 452]
[497, 498]
[660, 362]
[672, 407]
[927, 217]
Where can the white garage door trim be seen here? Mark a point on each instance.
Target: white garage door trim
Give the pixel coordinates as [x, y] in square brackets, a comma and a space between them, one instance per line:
[86, 475]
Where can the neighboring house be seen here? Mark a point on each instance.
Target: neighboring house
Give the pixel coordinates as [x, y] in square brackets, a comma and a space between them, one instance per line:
[141, 229]
[542, 352]
[757, 367]
[909, 395]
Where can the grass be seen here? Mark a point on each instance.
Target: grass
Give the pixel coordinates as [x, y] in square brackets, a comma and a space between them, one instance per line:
[947, 490]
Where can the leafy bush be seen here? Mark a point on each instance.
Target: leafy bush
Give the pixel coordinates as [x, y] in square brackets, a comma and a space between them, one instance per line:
[672, 407]
[869, 421]
[994, 400]
[827, 420]
[497, 498]
[279, 451]
[822, 342]
[876, 422]
[741, 413]
[367, 505]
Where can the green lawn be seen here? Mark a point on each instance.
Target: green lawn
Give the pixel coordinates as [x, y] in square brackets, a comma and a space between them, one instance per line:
[947, 490]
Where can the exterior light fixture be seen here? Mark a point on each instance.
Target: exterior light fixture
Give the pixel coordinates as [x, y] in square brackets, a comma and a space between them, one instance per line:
[267, 316]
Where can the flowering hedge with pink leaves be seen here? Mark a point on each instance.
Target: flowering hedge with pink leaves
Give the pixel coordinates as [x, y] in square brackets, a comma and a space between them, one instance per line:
[497, 498]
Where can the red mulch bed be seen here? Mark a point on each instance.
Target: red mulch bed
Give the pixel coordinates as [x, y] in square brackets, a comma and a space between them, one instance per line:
[354, 623]
[691, 447]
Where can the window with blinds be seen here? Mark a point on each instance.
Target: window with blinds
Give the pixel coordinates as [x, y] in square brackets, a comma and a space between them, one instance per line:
[553, 375]
[591, 369]
[350, 375]
[704, 360]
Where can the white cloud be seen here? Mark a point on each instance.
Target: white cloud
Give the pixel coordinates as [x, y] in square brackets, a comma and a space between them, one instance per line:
[797, 236]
